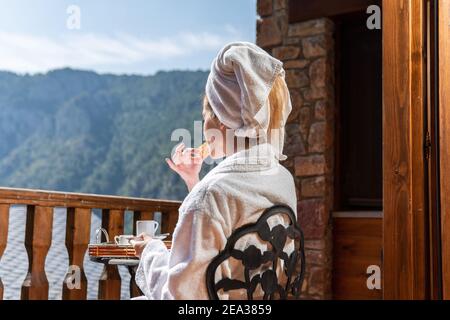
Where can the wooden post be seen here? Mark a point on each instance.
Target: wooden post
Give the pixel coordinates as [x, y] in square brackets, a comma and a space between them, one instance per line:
[110, 281]
[4, 216]
[78, 227]
[444, 136]
[405, 248]
[38, 238]
[169, 220]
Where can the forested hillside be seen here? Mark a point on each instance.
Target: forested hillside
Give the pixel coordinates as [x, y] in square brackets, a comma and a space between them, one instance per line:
[80, 131]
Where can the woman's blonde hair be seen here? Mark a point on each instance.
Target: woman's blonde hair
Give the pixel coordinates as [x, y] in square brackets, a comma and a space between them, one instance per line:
[277, 102]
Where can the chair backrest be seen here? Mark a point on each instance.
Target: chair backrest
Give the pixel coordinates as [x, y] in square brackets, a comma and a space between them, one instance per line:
[252, 259]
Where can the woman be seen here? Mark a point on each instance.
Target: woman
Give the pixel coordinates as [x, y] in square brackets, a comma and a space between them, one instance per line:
[245, 109]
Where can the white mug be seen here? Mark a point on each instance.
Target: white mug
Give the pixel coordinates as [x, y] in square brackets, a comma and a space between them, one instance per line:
[146, 226]
[123, 239]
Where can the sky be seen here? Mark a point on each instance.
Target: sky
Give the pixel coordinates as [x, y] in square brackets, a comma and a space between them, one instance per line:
[120, 36]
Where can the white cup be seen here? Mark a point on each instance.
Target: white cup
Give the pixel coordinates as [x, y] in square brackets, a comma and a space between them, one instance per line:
[123, 239]
[146, 226]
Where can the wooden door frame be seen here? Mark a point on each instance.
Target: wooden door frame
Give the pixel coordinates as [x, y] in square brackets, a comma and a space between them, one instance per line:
[444, 137]
[435, 266]
[405, 212]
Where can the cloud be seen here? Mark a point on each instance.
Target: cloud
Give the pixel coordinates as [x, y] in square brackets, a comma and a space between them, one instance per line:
[31, 53]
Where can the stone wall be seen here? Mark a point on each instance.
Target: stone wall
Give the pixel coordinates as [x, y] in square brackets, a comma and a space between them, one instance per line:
[307, 50]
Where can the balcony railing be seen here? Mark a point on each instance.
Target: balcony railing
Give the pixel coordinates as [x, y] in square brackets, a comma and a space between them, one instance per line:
[38, 234]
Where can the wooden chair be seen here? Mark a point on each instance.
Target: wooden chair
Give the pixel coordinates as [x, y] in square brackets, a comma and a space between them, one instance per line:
[252, 259]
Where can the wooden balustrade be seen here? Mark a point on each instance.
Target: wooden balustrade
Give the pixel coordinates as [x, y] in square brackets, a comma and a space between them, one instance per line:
[110, 283]
[78, 227]
[4, 215]
[38, 235]
[38, 239]
[168, 221]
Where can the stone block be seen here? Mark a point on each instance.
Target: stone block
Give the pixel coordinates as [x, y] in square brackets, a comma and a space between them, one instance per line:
[313, 187]
[264, 7]
[310, 165]
[305, 118]
[268, 33]
[319, 138]
[310, 28]
[296, 78]
[316, 46]
[319, 73]
[296, 64]
[313, 218]
[320, 110]
[286, 52]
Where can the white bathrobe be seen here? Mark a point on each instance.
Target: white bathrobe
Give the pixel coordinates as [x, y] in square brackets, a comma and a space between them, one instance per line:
[234, 193]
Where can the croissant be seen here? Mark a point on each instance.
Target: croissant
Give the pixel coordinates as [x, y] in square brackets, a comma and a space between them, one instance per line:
[204, 150]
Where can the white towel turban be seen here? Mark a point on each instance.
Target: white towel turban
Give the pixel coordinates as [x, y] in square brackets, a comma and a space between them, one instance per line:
[238, 87]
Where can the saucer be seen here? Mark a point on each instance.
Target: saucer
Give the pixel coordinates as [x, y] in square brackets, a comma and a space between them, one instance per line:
[161, 236]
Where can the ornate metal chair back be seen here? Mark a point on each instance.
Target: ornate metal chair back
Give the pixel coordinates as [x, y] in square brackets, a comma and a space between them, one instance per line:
[266, 263]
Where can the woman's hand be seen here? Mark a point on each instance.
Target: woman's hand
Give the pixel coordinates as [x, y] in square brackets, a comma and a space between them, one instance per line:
[187, 162]
[139, 243]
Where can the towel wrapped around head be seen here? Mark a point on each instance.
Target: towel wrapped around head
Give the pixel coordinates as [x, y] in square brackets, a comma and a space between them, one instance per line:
[238, 87]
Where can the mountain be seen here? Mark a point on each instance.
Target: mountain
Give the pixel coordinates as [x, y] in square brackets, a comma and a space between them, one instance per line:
[79, 131]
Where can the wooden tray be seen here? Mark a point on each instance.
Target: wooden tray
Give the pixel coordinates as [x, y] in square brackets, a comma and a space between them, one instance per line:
[112, 250]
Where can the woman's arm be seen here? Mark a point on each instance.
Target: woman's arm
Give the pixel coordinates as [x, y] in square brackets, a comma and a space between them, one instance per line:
[151, 273]
[181, 273]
